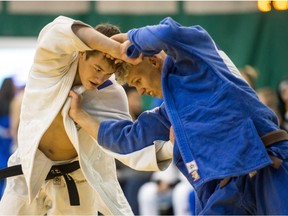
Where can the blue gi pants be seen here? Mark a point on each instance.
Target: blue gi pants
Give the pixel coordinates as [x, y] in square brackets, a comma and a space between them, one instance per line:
[266, 193]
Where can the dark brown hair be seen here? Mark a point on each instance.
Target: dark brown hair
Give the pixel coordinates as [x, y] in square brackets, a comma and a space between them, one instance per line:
[7, 93]
[109, 30]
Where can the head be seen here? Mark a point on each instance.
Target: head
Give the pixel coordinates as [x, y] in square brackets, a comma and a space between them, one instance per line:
[250, 74]
[269, 97]
[8, 88]
[93, 66]
[7, 92]
[283, 91]
[145, 76]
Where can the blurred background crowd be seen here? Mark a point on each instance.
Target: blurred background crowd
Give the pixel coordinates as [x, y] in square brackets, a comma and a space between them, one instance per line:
[254, 34]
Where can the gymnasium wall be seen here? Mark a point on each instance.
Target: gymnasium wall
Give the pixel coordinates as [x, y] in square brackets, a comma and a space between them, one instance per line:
[245, 34]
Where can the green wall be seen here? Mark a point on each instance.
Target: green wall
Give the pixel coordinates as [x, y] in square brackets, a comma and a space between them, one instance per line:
[258, 39]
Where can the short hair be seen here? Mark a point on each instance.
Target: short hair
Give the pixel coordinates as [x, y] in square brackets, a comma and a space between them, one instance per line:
[121, 75]
[109, 30]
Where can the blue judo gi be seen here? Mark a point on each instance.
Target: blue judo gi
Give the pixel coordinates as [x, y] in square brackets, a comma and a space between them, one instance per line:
[217, 120]
[5, 147]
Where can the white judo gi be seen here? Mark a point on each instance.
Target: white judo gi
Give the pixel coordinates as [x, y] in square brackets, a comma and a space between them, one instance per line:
[50, 80]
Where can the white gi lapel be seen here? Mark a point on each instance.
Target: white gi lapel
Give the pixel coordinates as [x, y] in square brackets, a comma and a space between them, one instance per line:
[69, 124]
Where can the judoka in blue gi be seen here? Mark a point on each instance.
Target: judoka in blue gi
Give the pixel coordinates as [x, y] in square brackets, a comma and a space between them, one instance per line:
[227, 143]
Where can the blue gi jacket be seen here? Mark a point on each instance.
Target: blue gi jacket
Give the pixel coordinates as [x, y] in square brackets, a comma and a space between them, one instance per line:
[217, 118]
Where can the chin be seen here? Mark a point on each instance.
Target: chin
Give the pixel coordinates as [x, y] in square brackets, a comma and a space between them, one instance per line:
[160, 96]
[90, 88]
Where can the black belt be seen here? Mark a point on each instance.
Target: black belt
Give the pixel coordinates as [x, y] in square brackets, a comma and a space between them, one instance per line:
[55, 171]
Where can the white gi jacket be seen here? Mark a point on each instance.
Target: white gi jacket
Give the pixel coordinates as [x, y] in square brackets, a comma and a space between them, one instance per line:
[50, 80]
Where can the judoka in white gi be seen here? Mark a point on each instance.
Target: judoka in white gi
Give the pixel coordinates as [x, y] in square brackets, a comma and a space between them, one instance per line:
[48, 137]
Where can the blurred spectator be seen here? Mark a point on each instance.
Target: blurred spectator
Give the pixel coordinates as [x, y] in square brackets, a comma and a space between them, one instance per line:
[250, 74]
[269, 97]
[7, 93]
[183, 197]
[155, 196]
[129, 179]
[15, 108]
[283, 102]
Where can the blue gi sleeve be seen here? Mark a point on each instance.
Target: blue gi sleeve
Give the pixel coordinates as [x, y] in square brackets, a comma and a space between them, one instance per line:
[124, 137]
[171, 37]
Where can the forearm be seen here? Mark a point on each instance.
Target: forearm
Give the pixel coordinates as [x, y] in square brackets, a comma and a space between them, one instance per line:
[152, 39]
[165, 151]
[97, 41]
[171, 37]
[125, 136]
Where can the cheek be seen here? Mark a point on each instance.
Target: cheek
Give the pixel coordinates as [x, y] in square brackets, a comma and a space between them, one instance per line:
[155, 84]
[85, 74]
[82, 73]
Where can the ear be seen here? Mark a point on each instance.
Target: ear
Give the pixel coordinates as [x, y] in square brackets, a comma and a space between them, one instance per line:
[154, 60]
[82, 54]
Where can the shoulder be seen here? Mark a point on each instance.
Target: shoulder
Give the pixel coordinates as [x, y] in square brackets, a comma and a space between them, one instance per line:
[110, 93]
[107, 102]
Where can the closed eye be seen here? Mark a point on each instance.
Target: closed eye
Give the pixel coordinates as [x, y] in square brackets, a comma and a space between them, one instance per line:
[137, 81]
[98, 68]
